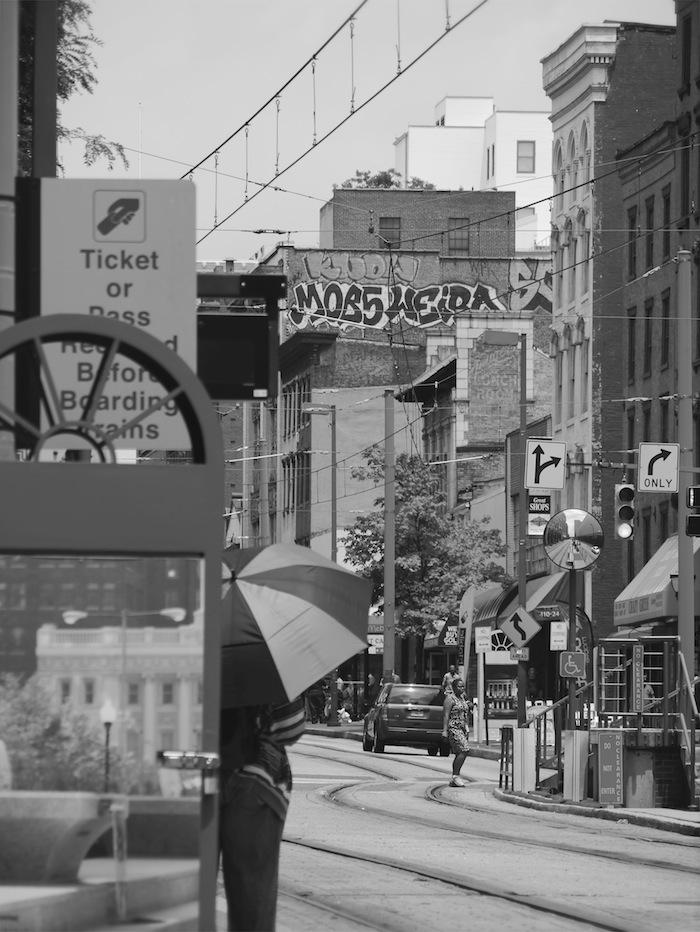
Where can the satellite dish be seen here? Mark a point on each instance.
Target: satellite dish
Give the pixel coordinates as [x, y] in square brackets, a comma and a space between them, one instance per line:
[573, 539]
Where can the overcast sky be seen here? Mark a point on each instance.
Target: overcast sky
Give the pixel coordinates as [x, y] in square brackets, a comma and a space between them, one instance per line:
[177, 77]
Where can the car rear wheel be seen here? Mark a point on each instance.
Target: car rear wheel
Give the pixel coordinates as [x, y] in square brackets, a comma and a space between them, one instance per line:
[366, 742]
[377, 744]
[432, 749]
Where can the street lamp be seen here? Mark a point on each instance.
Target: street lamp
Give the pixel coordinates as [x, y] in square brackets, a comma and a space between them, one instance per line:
[510, 338]
[329, 410]
[71, 616]
[107, 714]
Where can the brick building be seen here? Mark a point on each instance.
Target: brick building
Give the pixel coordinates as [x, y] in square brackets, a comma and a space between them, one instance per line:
[603, 100]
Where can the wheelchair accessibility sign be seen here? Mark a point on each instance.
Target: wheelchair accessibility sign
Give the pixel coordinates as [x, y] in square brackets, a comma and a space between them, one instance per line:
[572, 663]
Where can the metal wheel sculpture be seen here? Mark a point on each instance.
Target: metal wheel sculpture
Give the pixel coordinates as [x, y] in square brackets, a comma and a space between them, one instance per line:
[45, 415]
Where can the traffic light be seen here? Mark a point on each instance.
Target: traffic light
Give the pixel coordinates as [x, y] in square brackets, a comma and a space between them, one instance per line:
[692, 522]
[624, 511]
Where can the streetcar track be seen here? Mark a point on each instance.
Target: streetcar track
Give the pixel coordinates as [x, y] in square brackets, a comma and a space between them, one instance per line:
[582, 915]
[308, 899]
[335, 796]
[553, 819]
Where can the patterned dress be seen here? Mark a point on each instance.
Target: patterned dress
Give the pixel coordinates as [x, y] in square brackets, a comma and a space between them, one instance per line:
[458, 725]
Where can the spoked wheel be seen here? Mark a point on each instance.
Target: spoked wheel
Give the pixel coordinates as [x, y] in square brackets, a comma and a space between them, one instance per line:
[96, 385]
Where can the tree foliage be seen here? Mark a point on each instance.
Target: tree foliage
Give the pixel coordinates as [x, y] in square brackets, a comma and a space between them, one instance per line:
[75, 74]
[437, 557]
[53, 750]
[389, 178]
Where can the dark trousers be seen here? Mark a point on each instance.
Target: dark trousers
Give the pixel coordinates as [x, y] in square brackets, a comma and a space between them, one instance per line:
[250, 833]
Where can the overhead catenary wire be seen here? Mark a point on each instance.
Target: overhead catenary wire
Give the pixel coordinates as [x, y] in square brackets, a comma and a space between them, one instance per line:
[337, 126]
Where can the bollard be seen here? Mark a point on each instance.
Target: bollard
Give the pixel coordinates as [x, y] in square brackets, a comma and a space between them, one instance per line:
[505, 777]
[120, 811]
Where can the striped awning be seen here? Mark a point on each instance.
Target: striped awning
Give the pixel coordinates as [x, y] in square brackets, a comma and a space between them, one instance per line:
[496, 602]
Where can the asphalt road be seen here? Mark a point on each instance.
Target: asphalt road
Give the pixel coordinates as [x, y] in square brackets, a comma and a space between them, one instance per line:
[381, 842]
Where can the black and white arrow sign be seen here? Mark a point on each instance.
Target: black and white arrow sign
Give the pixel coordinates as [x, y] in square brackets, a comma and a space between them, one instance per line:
[545, 463]
[657, 467]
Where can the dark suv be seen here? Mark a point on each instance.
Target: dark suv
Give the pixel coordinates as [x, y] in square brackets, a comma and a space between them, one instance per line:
[405, 713]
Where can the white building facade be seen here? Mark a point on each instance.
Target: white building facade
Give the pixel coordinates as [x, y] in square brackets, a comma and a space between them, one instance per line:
[474, 146]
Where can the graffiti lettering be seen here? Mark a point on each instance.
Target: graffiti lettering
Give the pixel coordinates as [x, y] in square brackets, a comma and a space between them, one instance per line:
[531, 281]
[347, 304]
[356, 267]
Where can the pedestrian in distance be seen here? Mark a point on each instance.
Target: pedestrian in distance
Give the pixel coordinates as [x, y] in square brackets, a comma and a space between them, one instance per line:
[371, 693]
[447, 679]
[648, 702]
[255, 787]
[455, 726]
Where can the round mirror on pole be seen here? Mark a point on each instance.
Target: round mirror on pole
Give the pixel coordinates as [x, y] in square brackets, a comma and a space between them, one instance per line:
[573, 539]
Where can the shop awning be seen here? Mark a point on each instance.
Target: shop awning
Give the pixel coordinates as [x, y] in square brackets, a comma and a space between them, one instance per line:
[650, 595]
[496, 602]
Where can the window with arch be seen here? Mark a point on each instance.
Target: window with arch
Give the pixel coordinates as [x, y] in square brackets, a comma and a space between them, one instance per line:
[554, 238]
[558, 163]
[570, 347]
[571, 165]
[555, 353]
[585, 154]
[568, 272]
[584, 365]
[585, 257]
[580, 496]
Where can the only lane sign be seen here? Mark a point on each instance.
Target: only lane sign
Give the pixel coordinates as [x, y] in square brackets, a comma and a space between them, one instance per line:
[657, 467]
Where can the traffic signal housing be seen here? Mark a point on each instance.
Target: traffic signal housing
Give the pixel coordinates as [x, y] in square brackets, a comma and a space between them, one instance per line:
[692, 522]
[624, 510]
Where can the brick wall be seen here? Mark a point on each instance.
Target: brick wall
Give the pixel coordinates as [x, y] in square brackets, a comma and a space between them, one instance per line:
[641, 96]
[424, 216]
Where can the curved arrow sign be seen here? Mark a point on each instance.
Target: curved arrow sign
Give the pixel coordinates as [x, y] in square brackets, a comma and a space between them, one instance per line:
[657, 467]
[545, 462]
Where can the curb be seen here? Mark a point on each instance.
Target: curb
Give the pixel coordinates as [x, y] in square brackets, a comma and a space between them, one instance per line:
[621, 816]
[339, 731]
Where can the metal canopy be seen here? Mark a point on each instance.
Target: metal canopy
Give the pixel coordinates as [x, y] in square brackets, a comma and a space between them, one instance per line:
[107, 508]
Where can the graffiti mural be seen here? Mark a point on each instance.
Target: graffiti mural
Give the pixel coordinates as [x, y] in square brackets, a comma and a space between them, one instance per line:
[531, 284]
[346, 289]
[347, 304]
[356, 267]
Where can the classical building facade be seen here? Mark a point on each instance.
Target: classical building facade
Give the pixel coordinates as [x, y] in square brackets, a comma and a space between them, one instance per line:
[603, 100]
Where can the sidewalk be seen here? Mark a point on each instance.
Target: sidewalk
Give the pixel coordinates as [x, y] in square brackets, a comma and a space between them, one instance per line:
[680, 821]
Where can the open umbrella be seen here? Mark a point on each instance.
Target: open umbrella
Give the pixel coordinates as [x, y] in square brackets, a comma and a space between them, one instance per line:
[289, 616]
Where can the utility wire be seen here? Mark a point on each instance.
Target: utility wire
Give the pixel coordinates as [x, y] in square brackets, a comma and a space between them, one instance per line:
[341, 123]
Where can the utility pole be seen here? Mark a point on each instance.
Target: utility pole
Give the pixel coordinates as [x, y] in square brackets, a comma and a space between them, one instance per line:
[9, 56]
[686, 570]
[389, 535]
[522, 525]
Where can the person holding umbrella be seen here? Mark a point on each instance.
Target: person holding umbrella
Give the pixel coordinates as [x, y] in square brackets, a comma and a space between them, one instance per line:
[256, 783]
[278, 602]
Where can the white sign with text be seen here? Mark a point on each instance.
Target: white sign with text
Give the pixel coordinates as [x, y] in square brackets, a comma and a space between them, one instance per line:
[123, 250]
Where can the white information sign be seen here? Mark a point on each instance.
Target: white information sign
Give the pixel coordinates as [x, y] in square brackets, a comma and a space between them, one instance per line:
[123, 250]
[657, 467]
[482, 640]
[545, 464]
[558, 635]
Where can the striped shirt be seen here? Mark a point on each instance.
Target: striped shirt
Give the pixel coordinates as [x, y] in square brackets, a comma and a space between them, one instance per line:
[265, 761]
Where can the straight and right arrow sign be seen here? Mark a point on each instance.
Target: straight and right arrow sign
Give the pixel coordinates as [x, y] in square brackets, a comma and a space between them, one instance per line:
[545, 464]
